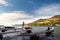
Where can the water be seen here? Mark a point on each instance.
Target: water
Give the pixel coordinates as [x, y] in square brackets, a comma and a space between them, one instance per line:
[57, 33]
[38, 29]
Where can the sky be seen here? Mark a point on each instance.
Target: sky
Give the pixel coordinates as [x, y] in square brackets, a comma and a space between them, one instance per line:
[16, 11]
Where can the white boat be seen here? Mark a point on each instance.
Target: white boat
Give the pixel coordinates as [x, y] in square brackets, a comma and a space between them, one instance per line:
[49, 31]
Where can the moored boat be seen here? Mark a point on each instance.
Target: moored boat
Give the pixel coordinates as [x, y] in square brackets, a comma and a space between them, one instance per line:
[49, 31]
[27, 28]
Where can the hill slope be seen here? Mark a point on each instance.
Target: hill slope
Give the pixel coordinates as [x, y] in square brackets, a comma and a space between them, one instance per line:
[53, 21]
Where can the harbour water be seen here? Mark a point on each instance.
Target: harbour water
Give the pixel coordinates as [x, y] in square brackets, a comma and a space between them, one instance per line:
[37, 29]
[57, 33]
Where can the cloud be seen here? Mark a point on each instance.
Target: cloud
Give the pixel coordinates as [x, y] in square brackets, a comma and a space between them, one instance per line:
[49, 10]
[17, 17]
[36, 18]
[4, 2]
[12, 17]
[45, 12]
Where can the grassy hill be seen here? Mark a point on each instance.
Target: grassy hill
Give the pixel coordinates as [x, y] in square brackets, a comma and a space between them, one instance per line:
[53, 21]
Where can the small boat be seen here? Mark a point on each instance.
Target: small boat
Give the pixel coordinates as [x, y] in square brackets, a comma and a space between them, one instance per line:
[26, 28]
[8, 29]
[49, 31]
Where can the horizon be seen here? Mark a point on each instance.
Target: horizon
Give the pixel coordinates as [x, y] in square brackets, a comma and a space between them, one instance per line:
[17, 11]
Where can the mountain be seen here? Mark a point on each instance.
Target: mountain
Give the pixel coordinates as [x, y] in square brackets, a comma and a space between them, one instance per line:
[53, 21]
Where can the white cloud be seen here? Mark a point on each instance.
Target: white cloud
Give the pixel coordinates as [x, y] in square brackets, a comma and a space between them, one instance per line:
[49, 10]
[36, 18]
[4, 2]
[45, 12]
[10, 18]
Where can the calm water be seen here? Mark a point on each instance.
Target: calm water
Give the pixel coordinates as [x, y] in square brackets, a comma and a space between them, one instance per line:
[56, 31]
[40, 29]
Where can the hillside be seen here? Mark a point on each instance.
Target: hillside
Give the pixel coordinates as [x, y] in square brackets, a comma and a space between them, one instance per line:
[53, 21]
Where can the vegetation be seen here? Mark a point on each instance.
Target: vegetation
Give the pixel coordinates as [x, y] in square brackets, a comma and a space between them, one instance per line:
[53, 21]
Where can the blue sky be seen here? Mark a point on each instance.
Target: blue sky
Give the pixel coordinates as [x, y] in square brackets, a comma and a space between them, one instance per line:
[16, 11]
